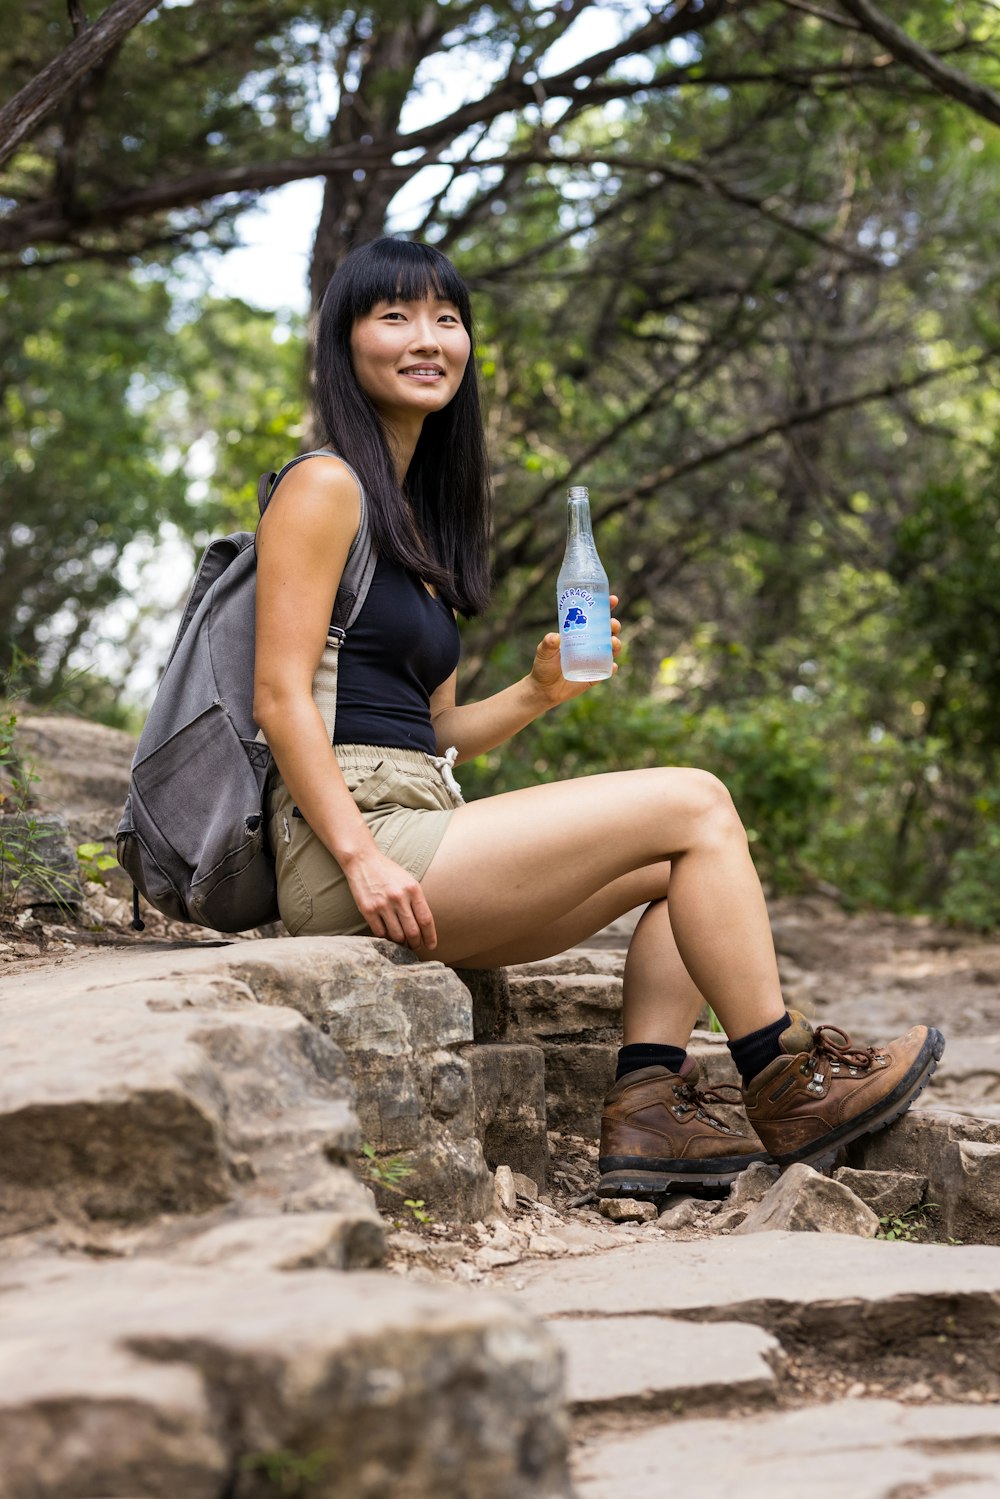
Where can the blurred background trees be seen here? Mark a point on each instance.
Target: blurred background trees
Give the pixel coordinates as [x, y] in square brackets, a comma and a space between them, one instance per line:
[734, 267]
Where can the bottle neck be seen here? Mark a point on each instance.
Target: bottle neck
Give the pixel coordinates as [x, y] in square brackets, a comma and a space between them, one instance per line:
[579, 529]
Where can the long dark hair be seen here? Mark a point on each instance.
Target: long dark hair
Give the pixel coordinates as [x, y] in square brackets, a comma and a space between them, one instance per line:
[438, 525]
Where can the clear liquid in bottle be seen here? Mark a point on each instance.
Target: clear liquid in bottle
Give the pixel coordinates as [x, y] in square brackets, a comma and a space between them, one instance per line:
[584, 599]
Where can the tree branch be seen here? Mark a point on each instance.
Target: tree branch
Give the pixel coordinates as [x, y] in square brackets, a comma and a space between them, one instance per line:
[946, 79]
[673, 471]
[679, 172]
[19, 118]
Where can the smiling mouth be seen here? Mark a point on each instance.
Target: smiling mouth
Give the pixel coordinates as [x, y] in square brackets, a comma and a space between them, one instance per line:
[423, 372]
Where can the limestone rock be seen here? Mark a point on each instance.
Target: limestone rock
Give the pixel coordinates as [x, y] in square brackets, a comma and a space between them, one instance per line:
[127, 1103]
[525, 1186]
[888, 1193]
[749, 1187]
[627, 1210]
[803, 1201]
[960, 1157]
[612, 1361]
[873, 1449]
[863, 1294]
[752, 1184]
[578, 960]
[577, 1077]
[400, 1025]
[290, 1241]
[83, 769]
[490, 993]
[686, 1212]
[586, 1006]
[167, 1381]
[508, 1083]
[715, 1062]
[503, 1185]
[968, 1079]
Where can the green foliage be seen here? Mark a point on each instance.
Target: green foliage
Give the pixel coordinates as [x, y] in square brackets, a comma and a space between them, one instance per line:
[290, 1475]
[418, 1209]
[972, 896]
[389, 1172]
[909, 1226]
[22, 833]
[110, 391]
[94, 862]
[79, 458]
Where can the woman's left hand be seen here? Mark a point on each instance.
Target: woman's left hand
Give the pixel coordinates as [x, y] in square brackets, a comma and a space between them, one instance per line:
[546, 670]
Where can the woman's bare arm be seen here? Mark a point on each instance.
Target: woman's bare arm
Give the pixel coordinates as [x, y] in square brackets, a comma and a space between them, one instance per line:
[476, 727]
[302, 548]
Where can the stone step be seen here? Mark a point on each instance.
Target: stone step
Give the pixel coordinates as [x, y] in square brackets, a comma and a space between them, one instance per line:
[508, 1084]
[877, 1449]
[960, 1156]
[400, 1024]
[850, 1295]
[968, 1079]
[556, 1004]
[655, 1362]
[165, 1380]
[577, 1076]
[127, 1101]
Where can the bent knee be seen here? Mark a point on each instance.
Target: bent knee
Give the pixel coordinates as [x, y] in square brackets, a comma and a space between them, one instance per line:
[710, 803]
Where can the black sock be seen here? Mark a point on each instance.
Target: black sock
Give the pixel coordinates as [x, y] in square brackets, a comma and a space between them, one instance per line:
[752, 1053]
[649, 1054]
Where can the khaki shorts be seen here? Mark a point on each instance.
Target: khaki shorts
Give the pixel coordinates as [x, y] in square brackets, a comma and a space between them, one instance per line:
[407, 806]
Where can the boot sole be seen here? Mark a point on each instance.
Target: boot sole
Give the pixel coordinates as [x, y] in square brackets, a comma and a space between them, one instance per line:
[821, 1153]
[651, 1178]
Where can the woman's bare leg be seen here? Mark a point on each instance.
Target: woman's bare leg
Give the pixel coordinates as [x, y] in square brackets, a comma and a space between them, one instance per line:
[523, 861]
[661, 1001]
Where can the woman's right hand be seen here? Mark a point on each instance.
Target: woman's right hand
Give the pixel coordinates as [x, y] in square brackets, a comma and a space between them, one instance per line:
[391, 900]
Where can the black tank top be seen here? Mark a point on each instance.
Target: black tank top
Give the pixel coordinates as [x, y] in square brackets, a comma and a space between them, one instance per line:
[402, 646]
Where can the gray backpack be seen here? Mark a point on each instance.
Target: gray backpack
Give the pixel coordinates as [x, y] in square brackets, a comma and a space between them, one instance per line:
[192, 835]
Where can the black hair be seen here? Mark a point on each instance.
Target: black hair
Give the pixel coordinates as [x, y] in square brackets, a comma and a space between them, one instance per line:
[438, 524]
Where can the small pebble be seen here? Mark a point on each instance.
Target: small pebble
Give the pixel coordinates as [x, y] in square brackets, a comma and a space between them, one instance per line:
[684, 1213]
[506, 1192]
[627, 1210]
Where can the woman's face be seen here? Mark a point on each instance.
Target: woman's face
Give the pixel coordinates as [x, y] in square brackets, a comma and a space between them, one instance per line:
[409, 357]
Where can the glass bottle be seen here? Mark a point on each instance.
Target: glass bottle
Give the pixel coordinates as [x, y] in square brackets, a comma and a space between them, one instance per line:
[584, 601]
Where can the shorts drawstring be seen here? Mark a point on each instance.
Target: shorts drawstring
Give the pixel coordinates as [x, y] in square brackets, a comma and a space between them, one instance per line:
[446, 765]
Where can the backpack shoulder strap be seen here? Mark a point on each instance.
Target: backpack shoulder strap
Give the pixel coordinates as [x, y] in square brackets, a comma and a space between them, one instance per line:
[362, 557]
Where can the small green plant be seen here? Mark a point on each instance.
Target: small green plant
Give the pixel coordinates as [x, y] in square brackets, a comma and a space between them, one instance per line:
[388, 1173]
[292, 1476]
[22, 833]
[714, 1023]
[908, 1226]
[94, 862]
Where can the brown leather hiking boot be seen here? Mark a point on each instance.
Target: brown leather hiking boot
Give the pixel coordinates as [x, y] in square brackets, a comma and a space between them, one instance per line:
[658, 1131]
[826, 1091]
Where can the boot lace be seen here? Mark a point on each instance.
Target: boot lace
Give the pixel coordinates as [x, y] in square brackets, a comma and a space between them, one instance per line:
[834, 1048]
[701, 1099]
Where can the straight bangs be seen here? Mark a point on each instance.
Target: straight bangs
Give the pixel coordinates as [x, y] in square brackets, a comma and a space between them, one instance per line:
[391, 270]
[436, 524]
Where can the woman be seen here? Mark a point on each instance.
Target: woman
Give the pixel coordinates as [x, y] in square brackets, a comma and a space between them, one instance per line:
[369, 837]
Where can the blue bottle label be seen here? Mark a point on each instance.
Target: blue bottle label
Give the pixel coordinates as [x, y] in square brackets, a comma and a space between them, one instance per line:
[575, 606]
